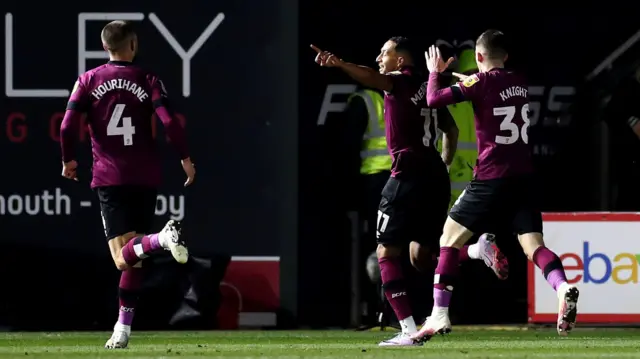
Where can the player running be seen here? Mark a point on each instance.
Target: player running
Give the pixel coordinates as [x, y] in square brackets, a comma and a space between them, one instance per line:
[119, 99]
[415, 200]
[502, 192]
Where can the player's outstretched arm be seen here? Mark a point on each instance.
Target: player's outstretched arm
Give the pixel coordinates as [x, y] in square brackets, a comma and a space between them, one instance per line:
[367, 76]
[363, 74]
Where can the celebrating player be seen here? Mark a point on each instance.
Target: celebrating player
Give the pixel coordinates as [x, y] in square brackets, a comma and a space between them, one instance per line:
[502, 191]
[415, 200]
[119, 100]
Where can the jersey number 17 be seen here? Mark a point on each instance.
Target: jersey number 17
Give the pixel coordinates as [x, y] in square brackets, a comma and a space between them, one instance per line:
[507, 124]
[127, 130]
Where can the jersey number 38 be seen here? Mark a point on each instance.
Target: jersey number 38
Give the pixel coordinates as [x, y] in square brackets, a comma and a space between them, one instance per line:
[507, 124]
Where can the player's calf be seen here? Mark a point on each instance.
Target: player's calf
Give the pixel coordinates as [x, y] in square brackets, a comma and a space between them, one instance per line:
[139, 248]
[554, 273]
[422, 258]
[545, 259]
[395, 289]
[143, 246]
[453, 237]
[446, 274]
[128, 294]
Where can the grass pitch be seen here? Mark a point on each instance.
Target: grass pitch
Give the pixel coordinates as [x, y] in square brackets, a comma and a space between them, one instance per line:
[592, 343]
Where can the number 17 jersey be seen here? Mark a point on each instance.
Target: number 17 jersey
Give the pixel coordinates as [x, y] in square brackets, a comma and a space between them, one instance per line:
[501, 105]
[118, 99]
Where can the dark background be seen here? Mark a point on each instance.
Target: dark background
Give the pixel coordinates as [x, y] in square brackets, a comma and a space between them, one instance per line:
[268, 180]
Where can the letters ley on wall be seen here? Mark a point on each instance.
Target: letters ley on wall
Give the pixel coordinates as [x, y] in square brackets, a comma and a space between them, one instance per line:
[210, 57]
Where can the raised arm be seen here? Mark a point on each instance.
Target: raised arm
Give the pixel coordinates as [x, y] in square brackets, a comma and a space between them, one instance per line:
[440, 97]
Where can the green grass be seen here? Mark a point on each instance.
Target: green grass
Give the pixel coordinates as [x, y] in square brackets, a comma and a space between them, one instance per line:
[605, 343]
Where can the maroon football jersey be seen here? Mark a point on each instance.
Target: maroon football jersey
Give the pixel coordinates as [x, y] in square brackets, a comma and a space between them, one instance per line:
[411, 128]
[501, 105]
[119, 99]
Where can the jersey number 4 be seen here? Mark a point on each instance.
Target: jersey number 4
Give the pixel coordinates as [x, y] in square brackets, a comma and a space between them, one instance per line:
[507, 124]
[126, 130]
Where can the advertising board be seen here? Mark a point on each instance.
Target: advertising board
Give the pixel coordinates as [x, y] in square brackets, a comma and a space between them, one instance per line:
[600, 253]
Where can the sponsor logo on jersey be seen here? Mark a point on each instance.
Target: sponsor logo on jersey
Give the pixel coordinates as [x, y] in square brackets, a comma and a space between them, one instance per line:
[470, 81]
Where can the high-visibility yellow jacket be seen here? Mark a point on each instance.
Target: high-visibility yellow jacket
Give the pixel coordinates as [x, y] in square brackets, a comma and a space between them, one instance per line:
[375, 155]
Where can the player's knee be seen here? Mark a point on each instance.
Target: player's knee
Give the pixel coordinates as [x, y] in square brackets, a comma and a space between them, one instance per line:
[115, 247]
[530, 242]
[386, 250]
[449, 239]
[122, 266]
[454, 234]
[120, 263]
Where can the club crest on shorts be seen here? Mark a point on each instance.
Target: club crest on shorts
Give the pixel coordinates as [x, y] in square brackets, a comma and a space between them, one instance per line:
[470, 81]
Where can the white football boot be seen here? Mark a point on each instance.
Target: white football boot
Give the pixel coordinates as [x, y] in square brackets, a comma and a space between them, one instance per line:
[120, 337]
[438, 323]
[399, 340]
[169, 239]
[568, 308]
[493, 256]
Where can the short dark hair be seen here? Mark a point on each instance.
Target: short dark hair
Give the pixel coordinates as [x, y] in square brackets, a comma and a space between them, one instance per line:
[405, 46]
[494, 42]
[116, 35]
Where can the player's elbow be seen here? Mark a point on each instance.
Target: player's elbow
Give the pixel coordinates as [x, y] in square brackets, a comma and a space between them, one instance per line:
[65, 129]
[432, 100]
[69, 123]
[120, 263]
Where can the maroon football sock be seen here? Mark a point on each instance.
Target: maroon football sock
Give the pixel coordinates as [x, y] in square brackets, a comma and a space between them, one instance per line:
[128, 292]
[140, 248]
[464, 254]
[551, 266]
[446, 274]
[395, 287]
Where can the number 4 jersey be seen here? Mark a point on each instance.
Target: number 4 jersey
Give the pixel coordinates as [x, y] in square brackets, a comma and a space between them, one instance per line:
[500, 104]
[119, 100]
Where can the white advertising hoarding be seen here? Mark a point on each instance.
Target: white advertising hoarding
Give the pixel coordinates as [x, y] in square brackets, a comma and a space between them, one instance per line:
[600, 253]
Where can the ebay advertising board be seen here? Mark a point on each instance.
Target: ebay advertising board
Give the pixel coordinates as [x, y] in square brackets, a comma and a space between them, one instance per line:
[601, 255]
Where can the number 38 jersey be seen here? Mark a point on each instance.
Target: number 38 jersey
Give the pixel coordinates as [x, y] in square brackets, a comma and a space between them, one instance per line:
[501, 105]
[119, 100]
